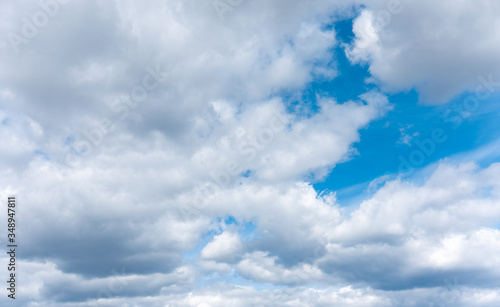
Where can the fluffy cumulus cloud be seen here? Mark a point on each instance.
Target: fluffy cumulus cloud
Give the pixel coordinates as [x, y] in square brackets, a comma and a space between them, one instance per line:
[438, 48]
[158, 159]
[445, 225]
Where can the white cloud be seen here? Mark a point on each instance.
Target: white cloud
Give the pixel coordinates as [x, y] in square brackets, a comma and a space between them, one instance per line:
[451, 199]
[225, 245]
[259, 267]
[445, 225]
[439, 48]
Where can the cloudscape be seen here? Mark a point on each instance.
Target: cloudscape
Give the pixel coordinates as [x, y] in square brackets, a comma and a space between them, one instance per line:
[206, 153]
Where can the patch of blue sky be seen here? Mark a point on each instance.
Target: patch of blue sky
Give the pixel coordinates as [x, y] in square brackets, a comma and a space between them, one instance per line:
[229, 220]
[482, 156]
[69, 140]
[41, 154]
[347, 85]
[388, 141]
[246, 229]
[247, 173]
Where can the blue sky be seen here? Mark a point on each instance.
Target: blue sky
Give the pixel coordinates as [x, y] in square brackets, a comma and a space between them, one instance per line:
[252, 153]
[381, 142]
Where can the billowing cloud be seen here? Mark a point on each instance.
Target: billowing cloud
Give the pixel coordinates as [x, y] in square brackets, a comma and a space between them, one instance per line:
[440, 49]
[159, 157]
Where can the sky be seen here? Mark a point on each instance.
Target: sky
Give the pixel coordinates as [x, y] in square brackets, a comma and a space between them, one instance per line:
[251, 152]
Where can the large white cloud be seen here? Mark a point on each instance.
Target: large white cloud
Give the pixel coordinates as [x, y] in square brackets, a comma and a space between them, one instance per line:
[444, 226]
[441, 49]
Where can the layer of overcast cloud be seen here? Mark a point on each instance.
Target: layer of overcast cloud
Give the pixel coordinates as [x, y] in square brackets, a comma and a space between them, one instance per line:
[144, 197]
[439, 48]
